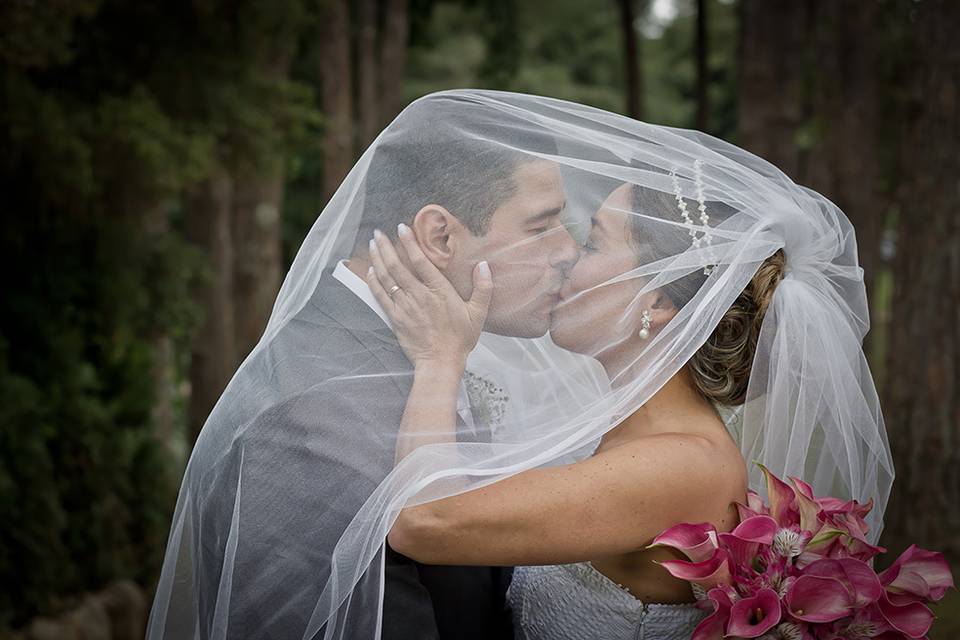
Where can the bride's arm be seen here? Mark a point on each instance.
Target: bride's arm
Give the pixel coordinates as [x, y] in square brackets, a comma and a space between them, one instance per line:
[435, 327]
[430, 415]
[612, 503]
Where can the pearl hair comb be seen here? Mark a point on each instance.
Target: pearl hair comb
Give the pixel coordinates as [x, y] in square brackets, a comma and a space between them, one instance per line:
[706, 239]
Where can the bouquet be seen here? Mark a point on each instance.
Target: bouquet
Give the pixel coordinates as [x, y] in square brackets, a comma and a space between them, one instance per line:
[800, 568]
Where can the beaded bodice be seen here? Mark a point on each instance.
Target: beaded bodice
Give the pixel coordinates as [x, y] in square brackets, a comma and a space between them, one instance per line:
[563, 602]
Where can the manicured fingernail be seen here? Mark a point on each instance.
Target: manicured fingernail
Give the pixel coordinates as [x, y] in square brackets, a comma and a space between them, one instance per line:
[373, 245]
[484, 269]
[370, 271]
[377, 233]
[403, 229]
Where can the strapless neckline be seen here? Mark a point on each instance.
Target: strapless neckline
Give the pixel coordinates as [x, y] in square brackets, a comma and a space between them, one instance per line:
[591, 573]
[563, 602]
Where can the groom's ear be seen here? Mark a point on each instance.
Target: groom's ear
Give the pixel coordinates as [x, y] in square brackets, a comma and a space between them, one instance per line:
[438, 234]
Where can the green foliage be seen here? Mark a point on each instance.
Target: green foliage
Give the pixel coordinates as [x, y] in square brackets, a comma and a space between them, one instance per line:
[77, 389]
[39, 35]
[496, 44]
[94, 291]
[669, 68]
[574, 50]
[110, 111]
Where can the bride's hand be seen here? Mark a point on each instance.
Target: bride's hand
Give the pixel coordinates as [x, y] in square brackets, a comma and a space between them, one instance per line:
[434, 325]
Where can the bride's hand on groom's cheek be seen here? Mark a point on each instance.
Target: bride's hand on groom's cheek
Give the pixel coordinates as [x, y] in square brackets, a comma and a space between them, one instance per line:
[433, 324]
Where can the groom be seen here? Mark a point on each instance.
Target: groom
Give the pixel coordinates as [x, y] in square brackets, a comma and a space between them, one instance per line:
[466, 202]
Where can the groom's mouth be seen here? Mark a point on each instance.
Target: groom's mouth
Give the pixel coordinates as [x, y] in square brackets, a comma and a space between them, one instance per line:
[553, 298]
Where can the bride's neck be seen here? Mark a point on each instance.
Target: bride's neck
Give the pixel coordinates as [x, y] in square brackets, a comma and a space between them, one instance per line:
[622, 362]
[678, 393]
[673, 404]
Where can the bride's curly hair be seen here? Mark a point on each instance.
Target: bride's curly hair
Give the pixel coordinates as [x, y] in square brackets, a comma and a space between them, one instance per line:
[721, 367]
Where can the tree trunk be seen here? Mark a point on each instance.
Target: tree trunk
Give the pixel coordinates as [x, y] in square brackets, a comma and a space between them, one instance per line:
[703, 71]
[770, 96]
[163, 415]
[393, 58]
[368, 99]
[257, 271]
[631, 59]
[843, 161]
[208, 211]
[922, 391]
[336, 96]
[809, 100]
[258, 206]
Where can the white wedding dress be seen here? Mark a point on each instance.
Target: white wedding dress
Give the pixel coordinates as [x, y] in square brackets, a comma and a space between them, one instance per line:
[577, 602]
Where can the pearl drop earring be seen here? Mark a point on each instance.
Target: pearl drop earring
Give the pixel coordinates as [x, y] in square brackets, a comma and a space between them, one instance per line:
[645, 318]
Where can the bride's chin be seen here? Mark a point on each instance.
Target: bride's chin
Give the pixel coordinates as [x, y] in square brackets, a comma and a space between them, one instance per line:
[565, 336]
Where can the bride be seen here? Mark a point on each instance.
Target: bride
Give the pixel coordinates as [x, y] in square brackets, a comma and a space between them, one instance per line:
[585, 526]
[580, 533]
[485, 397]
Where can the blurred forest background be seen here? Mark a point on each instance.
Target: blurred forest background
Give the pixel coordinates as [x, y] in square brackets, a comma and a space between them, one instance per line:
[163, 160]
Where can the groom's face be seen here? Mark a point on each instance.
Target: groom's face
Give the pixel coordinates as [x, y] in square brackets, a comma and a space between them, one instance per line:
[528, 249]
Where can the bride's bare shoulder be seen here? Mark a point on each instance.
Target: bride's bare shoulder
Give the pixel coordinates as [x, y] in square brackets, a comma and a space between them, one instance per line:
[702, 453]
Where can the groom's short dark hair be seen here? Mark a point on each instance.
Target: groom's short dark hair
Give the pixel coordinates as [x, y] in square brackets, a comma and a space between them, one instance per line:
[451, 150]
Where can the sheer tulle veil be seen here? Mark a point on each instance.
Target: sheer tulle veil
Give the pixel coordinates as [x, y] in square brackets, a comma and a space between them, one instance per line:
[292, 487]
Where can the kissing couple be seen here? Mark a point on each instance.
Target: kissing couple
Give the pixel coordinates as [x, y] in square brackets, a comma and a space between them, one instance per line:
[502, 362]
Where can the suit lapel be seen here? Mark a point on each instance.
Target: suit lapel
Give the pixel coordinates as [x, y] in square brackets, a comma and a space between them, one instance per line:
[335, 301]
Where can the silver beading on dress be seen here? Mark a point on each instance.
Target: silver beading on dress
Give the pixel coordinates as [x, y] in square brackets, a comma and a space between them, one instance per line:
[563, 602]
[577, 602]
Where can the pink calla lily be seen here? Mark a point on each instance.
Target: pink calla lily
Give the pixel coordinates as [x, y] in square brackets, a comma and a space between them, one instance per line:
[708, 573]
[829, 503]
[755, 502]
[862, 549]
[742, 552]
[696, 541]
[744, 512]
[802, 487]
[782, 499]
[757, 529]
[859, 579]
[800, 568]
[853, 525]
[806, 505]
[851, 535]
[713, 627]
[822, 542]
[817, 599]
[861, 510]
[885, 635]
[852, 507]
[754, 616]
[917, 575]
[912, 619]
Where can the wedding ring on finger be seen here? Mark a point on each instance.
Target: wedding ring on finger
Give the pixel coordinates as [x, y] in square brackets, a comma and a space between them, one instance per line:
[393, 290]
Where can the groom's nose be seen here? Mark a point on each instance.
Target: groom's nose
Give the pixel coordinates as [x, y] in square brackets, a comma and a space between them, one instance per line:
[564, 250]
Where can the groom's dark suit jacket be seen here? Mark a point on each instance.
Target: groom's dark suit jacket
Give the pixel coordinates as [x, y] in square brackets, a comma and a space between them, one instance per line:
[306, 465]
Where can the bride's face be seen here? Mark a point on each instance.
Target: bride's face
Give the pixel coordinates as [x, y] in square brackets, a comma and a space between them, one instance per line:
[592, 316]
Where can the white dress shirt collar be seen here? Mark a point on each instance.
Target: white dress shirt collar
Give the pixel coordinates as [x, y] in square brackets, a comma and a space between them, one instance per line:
[361, 289]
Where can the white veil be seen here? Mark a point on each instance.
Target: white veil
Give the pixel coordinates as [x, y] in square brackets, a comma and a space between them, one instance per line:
[288, 496]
